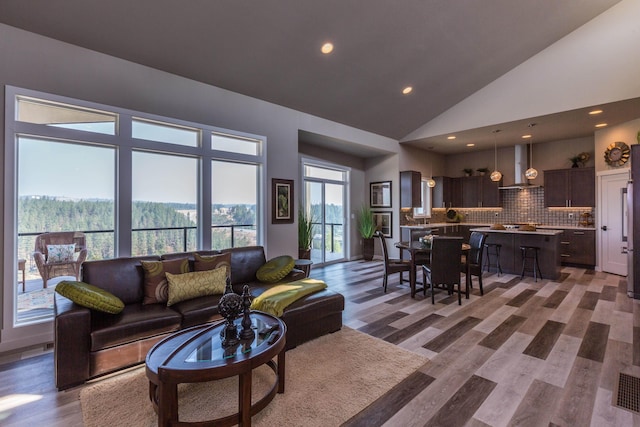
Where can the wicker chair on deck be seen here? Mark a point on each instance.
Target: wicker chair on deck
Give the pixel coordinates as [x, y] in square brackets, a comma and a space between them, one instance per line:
[50, 268]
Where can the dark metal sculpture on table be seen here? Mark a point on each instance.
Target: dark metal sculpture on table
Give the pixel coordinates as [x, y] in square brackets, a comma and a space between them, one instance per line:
[247, 333]
[230, 306]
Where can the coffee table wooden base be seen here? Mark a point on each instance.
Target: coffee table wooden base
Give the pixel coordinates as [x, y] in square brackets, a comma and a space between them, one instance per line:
[165, 396]
[171, 362]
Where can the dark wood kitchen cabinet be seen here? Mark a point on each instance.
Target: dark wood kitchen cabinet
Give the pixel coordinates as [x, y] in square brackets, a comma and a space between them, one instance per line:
[578, 247]
[569, 187]
[410, 196]
[447, 193]
[490, 192]
[480, 192]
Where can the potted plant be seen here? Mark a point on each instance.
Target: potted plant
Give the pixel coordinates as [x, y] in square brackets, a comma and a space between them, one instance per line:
[467, 171]
[305, 234]
[366, 228]
[482, 171]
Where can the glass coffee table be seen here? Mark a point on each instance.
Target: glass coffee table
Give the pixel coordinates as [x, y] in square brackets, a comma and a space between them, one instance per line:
[196, 355]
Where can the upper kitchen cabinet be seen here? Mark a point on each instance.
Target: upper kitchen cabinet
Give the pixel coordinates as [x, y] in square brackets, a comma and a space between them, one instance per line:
[410, 196]
[480, 192]
[573, 187]
[447, 192]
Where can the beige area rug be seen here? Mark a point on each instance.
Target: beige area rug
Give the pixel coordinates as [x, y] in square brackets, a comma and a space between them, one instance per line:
[328, 381]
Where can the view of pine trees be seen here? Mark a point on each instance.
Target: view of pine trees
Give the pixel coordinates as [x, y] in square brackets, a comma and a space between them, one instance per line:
[39, 214]
[333, 234]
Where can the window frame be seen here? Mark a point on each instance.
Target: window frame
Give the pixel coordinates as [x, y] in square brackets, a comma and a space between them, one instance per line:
[426, 198]
[124, 144]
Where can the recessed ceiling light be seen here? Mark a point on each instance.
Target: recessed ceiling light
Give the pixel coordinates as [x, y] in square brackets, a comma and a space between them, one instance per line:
[407, 90]
[451, 137]
[526, 136]
[471, 145]
[601, 125]
[594, 112]
[327, 48]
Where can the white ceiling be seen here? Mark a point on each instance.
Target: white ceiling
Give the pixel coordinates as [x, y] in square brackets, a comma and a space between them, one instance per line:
[446, 49]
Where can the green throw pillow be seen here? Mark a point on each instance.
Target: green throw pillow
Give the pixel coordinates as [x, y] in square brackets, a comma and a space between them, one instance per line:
[196, 284]
[90, 296]
[276, 269]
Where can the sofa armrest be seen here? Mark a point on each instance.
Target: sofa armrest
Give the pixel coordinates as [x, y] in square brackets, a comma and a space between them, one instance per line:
[72, 342]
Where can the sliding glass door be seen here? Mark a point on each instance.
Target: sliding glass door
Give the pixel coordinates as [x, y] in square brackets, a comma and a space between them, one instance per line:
[324, 198]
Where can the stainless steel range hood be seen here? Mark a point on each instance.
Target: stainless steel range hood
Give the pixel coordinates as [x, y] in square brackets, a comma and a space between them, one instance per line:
[521, 165]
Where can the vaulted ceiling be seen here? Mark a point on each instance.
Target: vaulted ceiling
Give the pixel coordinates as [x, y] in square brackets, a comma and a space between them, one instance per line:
[445, 49]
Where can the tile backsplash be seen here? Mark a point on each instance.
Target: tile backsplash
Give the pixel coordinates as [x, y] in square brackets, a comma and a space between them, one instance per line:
[518, 206]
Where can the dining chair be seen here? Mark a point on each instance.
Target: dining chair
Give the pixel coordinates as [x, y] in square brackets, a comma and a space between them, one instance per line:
[444, 266]
[391, 265]
[472, 264]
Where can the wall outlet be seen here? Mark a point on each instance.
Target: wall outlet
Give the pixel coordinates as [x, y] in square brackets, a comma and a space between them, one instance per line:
[496, 214]
[570, 215]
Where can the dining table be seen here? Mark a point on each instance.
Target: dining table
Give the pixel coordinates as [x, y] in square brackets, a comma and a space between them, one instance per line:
[415, 248]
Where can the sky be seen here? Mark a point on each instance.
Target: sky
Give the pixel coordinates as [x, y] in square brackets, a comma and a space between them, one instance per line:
[78, 171]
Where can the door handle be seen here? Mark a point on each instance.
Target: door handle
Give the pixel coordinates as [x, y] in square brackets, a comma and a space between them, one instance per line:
[603, 228]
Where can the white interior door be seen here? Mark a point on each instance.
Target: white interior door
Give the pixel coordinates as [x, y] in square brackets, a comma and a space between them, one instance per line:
[613, 225]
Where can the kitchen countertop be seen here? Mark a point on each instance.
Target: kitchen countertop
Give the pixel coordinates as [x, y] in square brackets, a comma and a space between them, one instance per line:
[477, 224]
[538, 231]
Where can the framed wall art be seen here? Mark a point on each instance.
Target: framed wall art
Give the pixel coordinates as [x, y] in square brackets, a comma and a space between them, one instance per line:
[380, 194]
[282, 201]
[384, 222]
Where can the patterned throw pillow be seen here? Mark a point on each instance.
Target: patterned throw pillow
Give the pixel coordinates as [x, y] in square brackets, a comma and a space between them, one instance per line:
[275, 269]
[90, 296]
[155, 279]
[211, 262]
[196, 284]
[60, 253]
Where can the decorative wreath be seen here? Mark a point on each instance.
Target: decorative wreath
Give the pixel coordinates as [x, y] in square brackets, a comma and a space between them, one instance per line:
[617, 153]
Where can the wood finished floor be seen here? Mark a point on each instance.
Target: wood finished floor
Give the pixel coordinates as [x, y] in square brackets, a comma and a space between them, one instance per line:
[526, 353]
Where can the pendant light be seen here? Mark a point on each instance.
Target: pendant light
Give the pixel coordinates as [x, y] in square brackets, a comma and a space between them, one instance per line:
[430, 181]
[531, 173]
[496, 175]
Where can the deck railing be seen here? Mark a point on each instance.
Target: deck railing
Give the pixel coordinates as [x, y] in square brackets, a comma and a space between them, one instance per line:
[185, 241]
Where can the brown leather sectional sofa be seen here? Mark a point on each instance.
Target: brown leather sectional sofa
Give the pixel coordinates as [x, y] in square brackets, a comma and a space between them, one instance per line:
[89, 343]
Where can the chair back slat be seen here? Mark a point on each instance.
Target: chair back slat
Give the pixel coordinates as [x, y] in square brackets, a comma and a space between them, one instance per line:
[445, 260]
[476, 242]
[60, 238]
[383, 244]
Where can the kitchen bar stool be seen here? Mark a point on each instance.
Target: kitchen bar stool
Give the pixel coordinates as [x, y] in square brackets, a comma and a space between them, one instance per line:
[493, 250]
[530, 252]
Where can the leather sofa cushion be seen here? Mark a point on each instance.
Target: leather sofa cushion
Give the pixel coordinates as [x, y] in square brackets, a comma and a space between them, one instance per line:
[198, 310]
[189, 255]
[134, 323]
[122, 277]
[245, 262]
[313, 307]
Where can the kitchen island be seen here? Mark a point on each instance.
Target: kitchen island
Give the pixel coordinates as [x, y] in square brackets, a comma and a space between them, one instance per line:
[548, 240]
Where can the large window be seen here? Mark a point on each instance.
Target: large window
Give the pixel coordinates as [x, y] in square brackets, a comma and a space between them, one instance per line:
[233, 210]
[164, 210]
[133, 183]
[424, 211]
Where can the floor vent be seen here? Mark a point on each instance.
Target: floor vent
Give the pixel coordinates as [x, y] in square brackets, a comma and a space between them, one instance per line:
[627, 394]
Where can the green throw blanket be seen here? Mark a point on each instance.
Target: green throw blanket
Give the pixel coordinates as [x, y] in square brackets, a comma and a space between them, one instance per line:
[279, 297]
